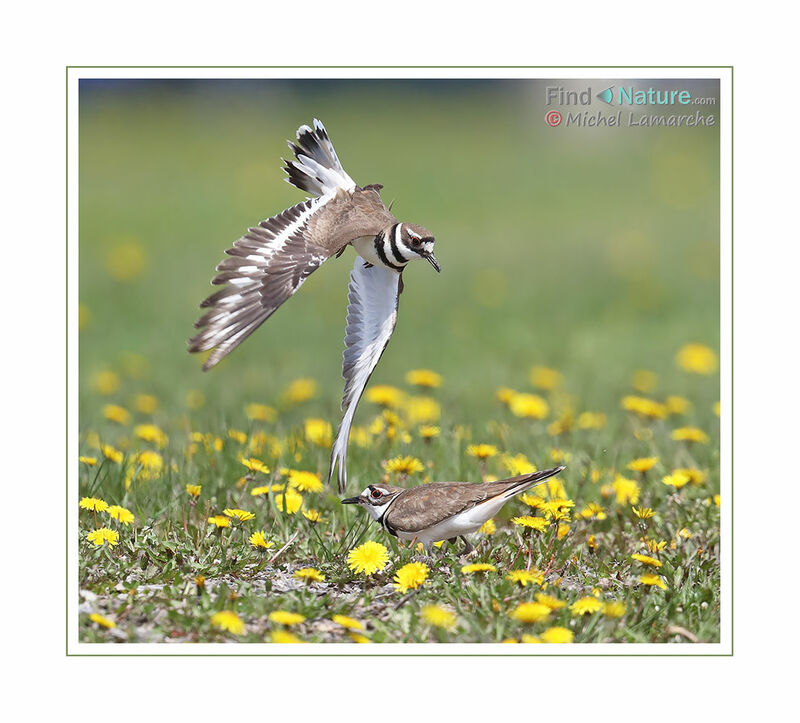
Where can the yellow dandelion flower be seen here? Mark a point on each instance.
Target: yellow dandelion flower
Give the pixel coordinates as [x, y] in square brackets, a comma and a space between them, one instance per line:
[241, 515]
[488, 528]
[696, 359]
[147, 465]
[647, 560]
[477, 567]
[593, 511]
[517, 464]
[348, 622]
[358, 638]
[643, 513]
[318, 431]
[530, 612]
[263, 490]
[305, 481]
[677, 405]
[557, 634]
[645, 381]
[237, 436]
[586, 606]
[254, 465]
[591, 542]
[529, 639]
[194, 490]
[411, 576]
[120, 513]
[300, 390]
[696, 477]
[219, 521]
[116, 413]
[533, 501]
[368, 558]
[545, 378]
[654, 545]
[93, 503]
[404, 465]
[151, 433]
[292, 500]
[90, 461]
[101, 621]
[145, 403]
[481, 451]
[111, 453]
[259, 540]
[642, 464]
[614, 609]
[283, 617]
[438, 616]
[229, 621]
[505, 395]
[552, 602]
[690, 434]
[424, 378]
[531, 406]
[428, 432]
[309, 574]
[627, 490]
[676, 480]
[563, 530]
[716, 408]
[102, 536]
[523, 577]
[591, 420]
[106, 382]
[536, 523]
[385, 395]
[655, 580]
[313, 515]
[284, 636]
[260, 412]
[644, 407]
[422, 410]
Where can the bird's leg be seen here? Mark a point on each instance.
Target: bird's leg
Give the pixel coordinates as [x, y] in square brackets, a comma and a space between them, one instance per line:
[469, 547]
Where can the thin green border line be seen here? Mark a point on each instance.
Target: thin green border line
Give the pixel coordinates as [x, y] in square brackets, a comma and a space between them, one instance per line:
[379, 655]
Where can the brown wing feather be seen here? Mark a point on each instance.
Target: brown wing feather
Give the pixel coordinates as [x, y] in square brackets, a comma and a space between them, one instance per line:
[269, 264]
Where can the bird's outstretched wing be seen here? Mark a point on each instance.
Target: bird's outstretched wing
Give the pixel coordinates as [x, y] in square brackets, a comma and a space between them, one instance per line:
[266, 266]
[371, 317]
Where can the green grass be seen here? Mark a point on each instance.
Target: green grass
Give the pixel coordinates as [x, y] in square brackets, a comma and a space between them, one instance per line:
[596, 254]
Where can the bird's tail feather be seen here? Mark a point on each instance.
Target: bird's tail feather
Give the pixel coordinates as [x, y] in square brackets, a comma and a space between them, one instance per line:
[532, 480]
[317, 168]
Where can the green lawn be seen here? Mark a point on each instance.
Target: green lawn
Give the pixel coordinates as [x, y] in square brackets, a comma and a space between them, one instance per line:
[594, 253]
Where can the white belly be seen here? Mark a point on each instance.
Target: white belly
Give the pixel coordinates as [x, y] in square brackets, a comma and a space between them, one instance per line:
[463, 523]
[365, 248]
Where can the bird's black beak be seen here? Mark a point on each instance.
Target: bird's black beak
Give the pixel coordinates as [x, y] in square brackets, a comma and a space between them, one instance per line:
[351, 501]
[433, 262]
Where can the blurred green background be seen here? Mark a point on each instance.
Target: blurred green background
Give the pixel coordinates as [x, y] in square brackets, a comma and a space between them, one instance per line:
[594, 251]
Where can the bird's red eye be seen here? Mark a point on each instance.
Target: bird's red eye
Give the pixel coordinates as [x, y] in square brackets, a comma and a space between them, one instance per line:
[376, 494]
[415, 242]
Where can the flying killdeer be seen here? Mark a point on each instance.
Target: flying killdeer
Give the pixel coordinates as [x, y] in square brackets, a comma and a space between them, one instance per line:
[442, 510]
[272, 260]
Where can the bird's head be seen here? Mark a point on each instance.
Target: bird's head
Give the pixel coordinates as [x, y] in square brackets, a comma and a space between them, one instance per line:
[415, 242]
[374, 499]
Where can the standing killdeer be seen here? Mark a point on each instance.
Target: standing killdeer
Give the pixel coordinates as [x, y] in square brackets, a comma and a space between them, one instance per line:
[442, 510]
[272, 260]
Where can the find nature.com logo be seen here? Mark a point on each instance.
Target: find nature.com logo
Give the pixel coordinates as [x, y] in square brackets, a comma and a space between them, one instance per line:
[632, 98]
